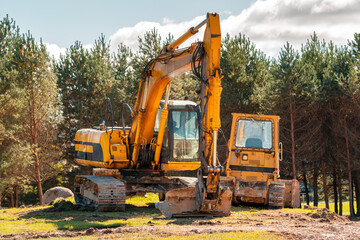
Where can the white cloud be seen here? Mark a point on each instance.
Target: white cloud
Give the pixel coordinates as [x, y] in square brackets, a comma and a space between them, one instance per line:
[271, 23]
[129, 35]
[167, 21]
[268, 23]
[54, 50]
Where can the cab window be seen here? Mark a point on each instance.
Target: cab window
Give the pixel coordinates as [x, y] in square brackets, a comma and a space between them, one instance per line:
[185, 132]
[252, 133]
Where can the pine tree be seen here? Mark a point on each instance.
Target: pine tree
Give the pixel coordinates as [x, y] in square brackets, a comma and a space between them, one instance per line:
[288, 93]
[85, 79]
[14, 151]
[40, 113]
[244, 69]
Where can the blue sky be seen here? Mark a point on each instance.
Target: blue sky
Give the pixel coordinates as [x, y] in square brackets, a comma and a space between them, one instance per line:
[63, 22]
[268, 23]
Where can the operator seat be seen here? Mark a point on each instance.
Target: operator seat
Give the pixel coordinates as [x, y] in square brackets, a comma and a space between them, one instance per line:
[253, 143]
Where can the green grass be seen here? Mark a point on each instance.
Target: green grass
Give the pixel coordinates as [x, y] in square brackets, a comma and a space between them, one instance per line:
[139, 211]
[346, 207]
[148, 199]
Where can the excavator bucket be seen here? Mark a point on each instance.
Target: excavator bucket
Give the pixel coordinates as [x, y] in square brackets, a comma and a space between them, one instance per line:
[185, 202]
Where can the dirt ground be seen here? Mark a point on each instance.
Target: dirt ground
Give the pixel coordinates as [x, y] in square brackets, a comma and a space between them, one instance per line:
[317, 224]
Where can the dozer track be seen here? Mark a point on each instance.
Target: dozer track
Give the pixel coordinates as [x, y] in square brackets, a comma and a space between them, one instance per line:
[276, 194]
[103, 193]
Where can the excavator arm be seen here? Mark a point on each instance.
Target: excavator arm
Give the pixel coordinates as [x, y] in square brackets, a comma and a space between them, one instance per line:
[157, 77]
[172, 62]
[210, 197]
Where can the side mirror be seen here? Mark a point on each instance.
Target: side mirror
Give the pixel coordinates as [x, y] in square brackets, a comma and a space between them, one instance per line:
[281, 151]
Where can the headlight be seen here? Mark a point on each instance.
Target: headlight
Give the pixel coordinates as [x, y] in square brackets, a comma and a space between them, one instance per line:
[245, 157]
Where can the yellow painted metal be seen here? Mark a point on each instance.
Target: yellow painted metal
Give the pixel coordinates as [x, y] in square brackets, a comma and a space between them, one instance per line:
[180, 166]
[137, 144]
[86, 139]
[164, 115]
[115, 164]
[118, 151]
[266, 157]
[212, 46]
[258, 159]
[192, 31]
[92, 163]
[160, 137]
[84, 148]
[161, 75]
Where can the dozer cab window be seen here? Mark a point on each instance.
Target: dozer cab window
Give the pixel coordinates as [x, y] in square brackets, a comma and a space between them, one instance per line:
[185, 134]
[253, 133]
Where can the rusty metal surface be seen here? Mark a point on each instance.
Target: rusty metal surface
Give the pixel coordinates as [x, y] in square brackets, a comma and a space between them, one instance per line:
[182, 203]
[178, 201]
[276, 194]
[155, 184]
[144, 181]
[106, 172]
[103, 193]
[220, 206]
[248, 190]
[292, 193]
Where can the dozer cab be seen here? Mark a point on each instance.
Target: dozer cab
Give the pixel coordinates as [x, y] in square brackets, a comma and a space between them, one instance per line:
[254, 153]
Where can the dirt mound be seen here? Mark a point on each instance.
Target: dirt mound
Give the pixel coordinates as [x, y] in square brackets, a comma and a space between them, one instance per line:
[56, 192]
[325, 215]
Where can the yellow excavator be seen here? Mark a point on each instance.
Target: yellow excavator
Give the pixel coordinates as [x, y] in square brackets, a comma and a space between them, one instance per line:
[170, 147]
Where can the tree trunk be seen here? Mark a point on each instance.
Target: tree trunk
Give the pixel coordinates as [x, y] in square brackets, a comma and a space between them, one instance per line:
[349, 169]
[315, 188]
[11, 198]
[292, 139]
[34, 127]
[323, 172]
[16, 195]
[335, 192]
[38, 178]
[306, 189]
[340, 193]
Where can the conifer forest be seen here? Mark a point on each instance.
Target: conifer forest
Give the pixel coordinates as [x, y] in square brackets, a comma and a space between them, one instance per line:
[43, 102]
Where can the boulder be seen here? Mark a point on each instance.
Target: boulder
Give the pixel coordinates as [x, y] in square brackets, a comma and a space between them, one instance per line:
[56, 192]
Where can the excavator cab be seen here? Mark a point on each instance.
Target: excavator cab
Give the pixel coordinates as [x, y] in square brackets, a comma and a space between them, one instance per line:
[181, 141]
